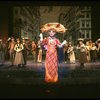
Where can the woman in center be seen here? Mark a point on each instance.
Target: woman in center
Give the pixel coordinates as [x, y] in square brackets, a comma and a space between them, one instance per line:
[51, 60]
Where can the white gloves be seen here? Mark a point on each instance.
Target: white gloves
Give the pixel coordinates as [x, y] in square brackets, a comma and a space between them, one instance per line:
[41, 37]
[63, 43]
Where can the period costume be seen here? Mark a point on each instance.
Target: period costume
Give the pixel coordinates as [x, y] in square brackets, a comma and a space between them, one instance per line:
[93, 52]
[88, 51]
[24, 51]
[90, 46]
[19, 60]
[34, 48]
[11, 51]
[82, 53]
[98, 49]
[71, 54]
[7, 57]
[51, 60]
[39, 56]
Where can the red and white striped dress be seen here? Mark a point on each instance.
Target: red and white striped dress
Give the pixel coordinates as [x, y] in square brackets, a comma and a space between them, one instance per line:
[51, 61]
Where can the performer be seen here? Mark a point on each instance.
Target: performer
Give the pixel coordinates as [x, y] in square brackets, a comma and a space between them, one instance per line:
[98, 49]
[71, 53]
[34, 51]
[24, 51]
[19, 60]
[90, 46]
[93, 52]
[51, 60]
[7, 55]
[11, 51]
[82, 52]
[88, 51]
[2, 52]
[39, 46]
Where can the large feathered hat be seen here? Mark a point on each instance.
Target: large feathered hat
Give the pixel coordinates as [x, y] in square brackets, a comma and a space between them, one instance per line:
[55, 26]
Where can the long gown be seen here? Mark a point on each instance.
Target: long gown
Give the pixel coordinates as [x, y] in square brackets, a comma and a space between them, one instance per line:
[19, 56]
[51, 61]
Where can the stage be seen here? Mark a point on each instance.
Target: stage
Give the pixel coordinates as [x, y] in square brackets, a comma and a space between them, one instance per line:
[28, 82]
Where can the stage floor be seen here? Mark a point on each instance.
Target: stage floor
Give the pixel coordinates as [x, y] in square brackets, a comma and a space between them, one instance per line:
[28, 82]
[34, 73]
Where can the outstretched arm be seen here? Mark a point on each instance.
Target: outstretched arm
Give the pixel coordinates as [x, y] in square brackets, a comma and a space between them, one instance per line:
[62, 44]
[41, 37]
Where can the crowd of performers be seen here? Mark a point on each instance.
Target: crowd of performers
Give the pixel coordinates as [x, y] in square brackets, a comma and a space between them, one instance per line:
[68, 54]
[84, 51]
[17, 50]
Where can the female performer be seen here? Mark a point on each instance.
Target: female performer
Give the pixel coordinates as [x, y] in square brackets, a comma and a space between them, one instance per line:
[19, 60]
[51, 61]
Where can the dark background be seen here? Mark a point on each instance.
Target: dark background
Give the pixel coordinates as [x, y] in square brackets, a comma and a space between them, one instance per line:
[30, 91]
